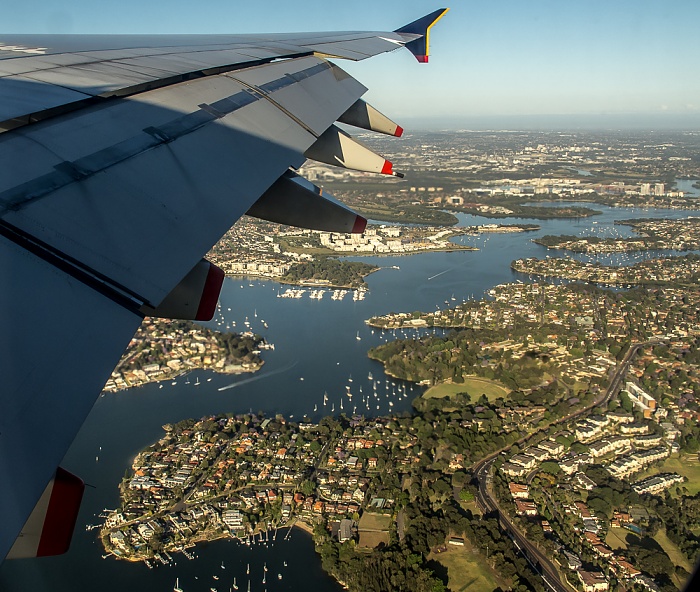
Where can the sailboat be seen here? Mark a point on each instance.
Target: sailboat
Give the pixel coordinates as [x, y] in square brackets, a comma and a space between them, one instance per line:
[235, 587]
[177, 585]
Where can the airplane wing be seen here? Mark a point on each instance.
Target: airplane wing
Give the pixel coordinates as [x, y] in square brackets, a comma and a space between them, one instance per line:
[123, 160]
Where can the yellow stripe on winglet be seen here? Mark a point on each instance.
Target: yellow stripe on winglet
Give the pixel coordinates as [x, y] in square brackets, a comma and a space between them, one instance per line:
[427, 31]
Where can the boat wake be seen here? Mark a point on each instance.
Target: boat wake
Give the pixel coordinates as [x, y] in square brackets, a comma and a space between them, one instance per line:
[439, 274]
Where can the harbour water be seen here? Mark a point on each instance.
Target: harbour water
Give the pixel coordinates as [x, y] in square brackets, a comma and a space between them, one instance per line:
[317, 352]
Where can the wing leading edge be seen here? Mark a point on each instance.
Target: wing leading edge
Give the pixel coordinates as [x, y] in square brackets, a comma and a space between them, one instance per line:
[122, 166]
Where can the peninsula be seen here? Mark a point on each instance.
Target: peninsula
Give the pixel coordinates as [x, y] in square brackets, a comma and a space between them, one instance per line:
[163, 350]
[307, 257]
[679, 234]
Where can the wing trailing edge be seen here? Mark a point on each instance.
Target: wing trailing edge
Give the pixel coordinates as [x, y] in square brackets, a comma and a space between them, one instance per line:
[421, 47]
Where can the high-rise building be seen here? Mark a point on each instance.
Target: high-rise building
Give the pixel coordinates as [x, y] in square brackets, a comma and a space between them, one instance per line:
[659, 189]
[646, 189]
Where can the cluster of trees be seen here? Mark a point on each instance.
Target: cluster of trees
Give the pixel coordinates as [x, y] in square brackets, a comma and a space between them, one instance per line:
[520, 209]
[449, 358]
[404, 565]
[341, 274]
[681, 517]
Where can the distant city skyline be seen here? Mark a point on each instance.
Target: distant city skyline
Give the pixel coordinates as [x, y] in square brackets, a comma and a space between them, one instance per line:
[495, 65]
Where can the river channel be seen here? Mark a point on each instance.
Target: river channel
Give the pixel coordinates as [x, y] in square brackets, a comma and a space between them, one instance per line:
[320, 348]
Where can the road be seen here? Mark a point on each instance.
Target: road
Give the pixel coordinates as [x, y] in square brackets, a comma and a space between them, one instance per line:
[482, 471]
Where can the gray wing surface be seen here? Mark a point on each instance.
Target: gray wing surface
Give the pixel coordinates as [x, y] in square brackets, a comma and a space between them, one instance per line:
[124, 159]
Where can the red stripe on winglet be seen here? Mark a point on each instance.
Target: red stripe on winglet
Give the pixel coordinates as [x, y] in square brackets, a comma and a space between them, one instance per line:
[359, 226]
[423, 59]
[387, 169]
[61, 515]
[210, 294]
[399, 131]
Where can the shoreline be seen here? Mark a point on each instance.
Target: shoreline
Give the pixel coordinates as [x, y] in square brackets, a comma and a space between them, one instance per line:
[181, 374]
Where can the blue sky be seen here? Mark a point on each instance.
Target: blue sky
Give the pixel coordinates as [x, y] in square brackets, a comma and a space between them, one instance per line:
[490, 58]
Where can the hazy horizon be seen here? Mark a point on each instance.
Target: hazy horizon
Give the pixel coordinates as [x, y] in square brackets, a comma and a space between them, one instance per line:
[632, 60]
[557, 122]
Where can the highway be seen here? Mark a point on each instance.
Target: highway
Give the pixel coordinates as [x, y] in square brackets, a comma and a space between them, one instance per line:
[482, 471]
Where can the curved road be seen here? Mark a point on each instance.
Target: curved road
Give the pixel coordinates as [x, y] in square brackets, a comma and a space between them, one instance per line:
[482, 471]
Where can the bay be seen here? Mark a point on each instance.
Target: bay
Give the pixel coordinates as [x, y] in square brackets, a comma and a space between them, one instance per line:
[317, 352]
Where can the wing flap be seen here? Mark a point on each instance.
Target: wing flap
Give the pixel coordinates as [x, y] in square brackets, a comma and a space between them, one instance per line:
[295, 201]
[49, 528]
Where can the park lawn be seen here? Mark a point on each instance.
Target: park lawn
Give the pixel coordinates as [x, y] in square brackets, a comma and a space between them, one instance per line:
[374, 529]
[686, 465]
[370, 521]
[467, 570]
[616, 538]
[474, 385]
[472, 506]
[672, 550]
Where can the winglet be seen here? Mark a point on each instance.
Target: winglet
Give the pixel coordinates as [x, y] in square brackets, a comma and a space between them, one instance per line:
[421, 47]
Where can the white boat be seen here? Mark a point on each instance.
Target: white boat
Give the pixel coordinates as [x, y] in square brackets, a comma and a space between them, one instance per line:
[358, 336]
[177, 585]
[235, 586]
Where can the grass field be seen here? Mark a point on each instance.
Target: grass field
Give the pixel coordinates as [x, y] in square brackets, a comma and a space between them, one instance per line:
[466, 570]
[616, 538]
[371, 540]
[473, 385]
[472, 506]
[689, 467]
[374, 521]
[373, 529]
[672, 550]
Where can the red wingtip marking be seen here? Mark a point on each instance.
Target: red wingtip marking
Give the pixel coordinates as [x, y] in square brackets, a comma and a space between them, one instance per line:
[61, 514]
[360, 225]
[210, 294]
[423, 59]
[399, 131]
[387, 169]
